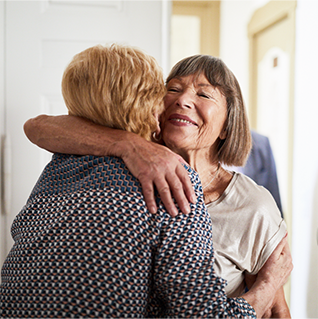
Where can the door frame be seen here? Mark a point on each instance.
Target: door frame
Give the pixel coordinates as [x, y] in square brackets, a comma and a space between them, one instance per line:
[209, 13]
[265, 17]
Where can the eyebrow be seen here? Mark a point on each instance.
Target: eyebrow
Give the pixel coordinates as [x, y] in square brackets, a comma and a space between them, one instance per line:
[179, 78]
[205, 84]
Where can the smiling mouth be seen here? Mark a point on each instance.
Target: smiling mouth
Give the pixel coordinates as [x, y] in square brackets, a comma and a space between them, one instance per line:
[183, 121]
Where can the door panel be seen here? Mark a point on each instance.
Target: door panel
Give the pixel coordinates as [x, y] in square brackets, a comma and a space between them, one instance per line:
[273, 112]
[41, 39]
[272, 49]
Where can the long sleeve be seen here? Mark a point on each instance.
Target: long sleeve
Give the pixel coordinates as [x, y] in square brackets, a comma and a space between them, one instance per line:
[184, 278]
[86, 246]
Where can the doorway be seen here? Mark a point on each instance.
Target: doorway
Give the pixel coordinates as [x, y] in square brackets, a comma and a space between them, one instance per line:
[271, 62]
[195, 29]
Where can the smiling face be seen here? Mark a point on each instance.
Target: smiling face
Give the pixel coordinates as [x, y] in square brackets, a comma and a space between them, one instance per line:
[194, 117]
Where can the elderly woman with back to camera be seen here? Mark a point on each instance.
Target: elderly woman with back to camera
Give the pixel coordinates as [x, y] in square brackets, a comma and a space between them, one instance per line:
[85, 244]
[205, 122]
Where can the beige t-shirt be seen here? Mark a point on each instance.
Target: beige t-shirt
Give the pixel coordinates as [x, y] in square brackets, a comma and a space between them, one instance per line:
[247, 227]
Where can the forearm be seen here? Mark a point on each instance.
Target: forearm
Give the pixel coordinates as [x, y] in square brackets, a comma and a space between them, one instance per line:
[260, 297]
[270, 280]
[268, 305]
[280, 308]
[79, 136]
[152, 164]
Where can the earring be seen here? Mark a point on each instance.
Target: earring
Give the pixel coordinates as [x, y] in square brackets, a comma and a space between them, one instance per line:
[156, 137]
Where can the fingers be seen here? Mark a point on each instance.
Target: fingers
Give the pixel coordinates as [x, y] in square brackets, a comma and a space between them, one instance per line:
[279, 265]
[286, 249]
[166, 198]
[171, 186]
[149, 195]
[188, 189]
[280, 248]
[179, 186]
[282, 253]
[163, 189]
[286, 254]
[178, 193]
[156, 166]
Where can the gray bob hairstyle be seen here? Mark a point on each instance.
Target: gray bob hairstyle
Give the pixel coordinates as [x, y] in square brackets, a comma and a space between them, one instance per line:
[234, 149]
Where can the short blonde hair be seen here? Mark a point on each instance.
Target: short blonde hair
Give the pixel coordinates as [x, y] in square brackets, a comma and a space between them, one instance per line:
[118, 86]
[235, 148]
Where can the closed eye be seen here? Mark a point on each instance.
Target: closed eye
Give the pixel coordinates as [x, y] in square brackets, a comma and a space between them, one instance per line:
[205, 96]
[173, 89]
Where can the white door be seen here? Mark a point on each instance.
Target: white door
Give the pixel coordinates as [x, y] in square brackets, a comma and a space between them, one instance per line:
[41, 37]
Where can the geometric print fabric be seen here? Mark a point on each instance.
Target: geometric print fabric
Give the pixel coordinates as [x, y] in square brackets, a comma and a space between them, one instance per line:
[85, 245]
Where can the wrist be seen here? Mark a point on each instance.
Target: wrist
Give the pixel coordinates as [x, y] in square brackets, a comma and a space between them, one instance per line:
[104, 141]
[260, 297]
[126, 145]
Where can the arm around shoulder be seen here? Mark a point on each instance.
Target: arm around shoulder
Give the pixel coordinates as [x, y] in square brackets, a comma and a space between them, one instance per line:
[75, 135]
[152, 164]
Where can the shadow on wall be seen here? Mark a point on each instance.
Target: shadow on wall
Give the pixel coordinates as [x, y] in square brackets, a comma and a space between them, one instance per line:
[312, 297]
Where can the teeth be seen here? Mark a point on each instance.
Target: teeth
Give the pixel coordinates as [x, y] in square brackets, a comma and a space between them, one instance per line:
[182, 121]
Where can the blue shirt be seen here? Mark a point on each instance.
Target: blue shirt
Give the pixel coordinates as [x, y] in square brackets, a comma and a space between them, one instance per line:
[86, 245]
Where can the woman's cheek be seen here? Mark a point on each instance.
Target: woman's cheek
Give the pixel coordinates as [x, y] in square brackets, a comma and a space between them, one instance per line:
[162, 120]
[166, 101]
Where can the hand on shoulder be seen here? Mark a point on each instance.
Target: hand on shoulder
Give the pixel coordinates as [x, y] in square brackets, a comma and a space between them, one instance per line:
[156, 166]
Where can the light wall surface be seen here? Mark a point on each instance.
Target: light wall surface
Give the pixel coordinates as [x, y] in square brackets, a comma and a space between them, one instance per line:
[304, 284]
[235, 16]
[37, 41]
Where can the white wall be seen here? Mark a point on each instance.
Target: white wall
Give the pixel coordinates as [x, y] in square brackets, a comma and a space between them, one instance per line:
[304, 297]
[39, 38]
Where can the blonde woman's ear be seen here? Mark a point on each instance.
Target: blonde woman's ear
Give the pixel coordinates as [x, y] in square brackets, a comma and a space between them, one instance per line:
[156, 135]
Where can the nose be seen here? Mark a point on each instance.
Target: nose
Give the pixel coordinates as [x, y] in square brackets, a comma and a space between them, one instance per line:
[185, 99]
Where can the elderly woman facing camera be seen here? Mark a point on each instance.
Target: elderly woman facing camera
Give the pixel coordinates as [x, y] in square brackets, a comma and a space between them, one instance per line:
[85, 244]
[205, 122]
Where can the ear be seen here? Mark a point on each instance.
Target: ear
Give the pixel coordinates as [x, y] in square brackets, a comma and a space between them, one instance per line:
[158, 129]
[223, 134]
[156, 135]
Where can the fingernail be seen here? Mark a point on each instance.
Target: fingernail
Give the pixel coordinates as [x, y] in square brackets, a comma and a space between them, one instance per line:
[193, 199]
[153, 209]
[175, 212]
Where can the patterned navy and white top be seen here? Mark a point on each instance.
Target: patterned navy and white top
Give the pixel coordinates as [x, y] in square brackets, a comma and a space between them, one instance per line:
[85, 245]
